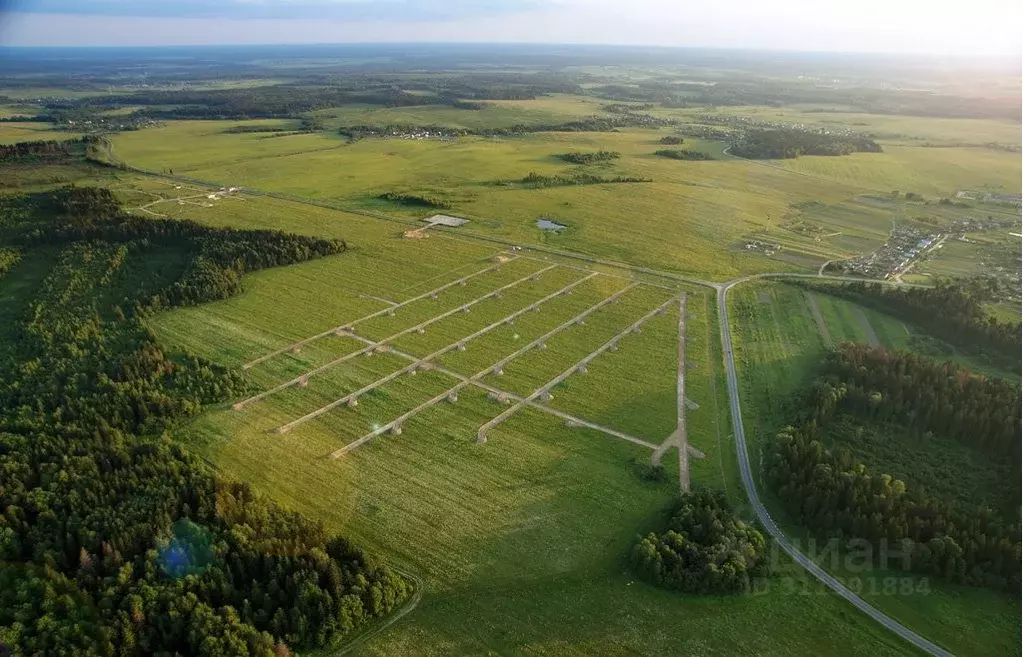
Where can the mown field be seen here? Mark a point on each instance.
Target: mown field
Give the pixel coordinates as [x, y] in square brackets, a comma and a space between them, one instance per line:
[778, 342]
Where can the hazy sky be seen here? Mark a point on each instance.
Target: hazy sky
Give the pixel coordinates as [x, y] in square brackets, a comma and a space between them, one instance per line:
[933, 26]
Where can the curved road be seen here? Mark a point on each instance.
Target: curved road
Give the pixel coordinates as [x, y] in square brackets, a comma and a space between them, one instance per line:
[765, 519]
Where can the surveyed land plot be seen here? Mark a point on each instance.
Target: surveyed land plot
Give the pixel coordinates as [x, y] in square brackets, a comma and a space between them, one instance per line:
[451, 395]
[373, 347]
[381, 345]
[502, 324]
[390, 309]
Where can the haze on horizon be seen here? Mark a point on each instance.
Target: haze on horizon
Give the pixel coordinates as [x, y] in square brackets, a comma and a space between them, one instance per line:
[979, 28]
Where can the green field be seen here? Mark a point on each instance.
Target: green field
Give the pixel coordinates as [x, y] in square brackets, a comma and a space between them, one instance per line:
[692, 218]
[778, 344]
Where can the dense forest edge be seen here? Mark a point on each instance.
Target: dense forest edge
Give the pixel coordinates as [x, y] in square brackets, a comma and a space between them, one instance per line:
[114, 540]
[908, 397]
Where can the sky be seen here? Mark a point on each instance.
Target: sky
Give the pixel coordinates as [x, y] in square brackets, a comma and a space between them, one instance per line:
[977, 27]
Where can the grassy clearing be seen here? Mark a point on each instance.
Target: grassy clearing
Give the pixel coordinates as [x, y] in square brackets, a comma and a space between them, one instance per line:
[777, 347]
[930, 171]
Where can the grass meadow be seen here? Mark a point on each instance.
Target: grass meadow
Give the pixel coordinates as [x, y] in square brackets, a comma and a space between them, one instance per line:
[692, 218]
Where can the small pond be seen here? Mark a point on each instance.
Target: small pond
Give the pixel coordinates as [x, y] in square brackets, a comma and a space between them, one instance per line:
[547, 224]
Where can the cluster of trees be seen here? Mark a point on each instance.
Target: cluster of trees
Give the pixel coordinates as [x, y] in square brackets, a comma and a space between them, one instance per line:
[589, 158]
[534, 179]
[836, 495]
[621, 108]
[682, 154]
[778, 144]
[113, 539]
[705, 548]
[418, 200]
[36, 151]
[953, 310]
[672, 140]
[589, 124]
[923, 395]
[247, 129]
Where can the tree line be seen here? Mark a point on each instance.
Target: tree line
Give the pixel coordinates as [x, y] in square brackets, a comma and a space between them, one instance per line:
[44, 150]
[682, 154]
[779, 144]
[114, 540]
[834, 494]
[589, 158]
[953, 310]
[705, 548]
[539, 180]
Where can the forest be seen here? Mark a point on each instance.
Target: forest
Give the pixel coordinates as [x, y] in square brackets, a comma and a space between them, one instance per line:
[295, 97]
[704, 549]
[953, 310]
[43, 151]
[779, 144]
[114, 540]
[836, 495]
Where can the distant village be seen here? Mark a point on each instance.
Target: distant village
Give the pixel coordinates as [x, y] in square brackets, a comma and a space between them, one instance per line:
[905, 245]
[124, 123]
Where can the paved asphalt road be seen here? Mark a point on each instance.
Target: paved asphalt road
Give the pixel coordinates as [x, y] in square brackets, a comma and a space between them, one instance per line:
[765, 518]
